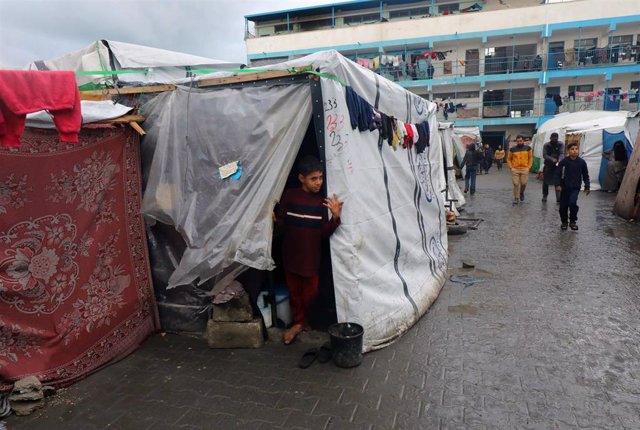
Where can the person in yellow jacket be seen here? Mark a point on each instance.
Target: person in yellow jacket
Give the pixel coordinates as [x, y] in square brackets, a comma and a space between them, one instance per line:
[499, 155]
[519, 160]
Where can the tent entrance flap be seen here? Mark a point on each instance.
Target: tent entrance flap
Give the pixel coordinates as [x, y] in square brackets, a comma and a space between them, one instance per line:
[195, 132]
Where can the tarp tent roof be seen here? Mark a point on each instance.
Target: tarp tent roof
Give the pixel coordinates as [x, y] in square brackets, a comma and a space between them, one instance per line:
[155, 65]
[578, 122]
[389, 255]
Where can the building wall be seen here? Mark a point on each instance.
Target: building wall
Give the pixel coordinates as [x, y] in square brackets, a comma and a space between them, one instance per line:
[524, 29]
[478, 22]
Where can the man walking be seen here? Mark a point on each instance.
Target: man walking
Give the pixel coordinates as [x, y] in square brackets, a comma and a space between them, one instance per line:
[520, 160]
[487, 160]
[553, 153]
[472, 160]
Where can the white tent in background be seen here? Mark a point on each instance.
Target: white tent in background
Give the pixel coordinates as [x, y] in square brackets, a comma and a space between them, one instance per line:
[445, 130]
[463, 136]
[596, 131]
[135, 63]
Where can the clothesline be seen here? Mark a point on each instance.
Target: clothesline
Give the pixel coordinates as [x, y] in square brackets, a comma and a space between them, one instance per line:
[397, 133]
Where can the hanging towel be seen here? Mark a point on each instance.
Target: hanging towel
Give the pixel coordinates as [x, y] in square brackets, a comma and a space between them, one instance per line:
[360, 111]
[408, 139]
[23, 92]
[423, 141]
[416, 135]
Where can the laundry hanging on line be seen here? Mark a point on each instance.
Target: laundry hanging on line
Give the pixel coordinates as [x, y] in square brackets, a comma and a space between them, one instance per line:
[363, 116]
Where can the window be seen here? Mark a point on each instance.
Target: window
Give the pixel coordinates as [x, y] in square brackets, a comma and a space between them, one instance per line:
[553, 90]
[457, 95]
[409, 13]
[585, 43]
[447, 9]
[580, 88]
[635, 98]
[281, 28]
[621, 40]
[315, 25]
[360, 19]
[489, 51]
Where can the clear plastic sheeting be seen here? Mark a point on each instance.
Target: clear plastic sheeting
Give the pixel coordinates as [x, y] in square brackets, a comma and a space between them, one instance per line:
[155, 65]
[92, 111]
[194, 133]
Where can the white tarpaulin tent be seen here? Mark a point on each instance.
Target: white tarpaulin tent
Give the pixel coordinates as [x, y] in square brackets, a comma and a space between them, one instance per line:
[445, 130]
[463, 136]
[133, 63]
[389, 255]
[597, 131]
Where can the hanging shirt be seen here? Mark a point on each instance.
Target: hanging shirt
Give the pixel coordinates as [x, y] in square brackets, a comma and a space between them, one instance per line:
[23, 92]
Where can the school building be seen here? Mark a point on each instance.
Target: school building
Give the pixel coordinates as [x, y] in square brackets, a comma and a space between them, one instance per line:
[505, 66]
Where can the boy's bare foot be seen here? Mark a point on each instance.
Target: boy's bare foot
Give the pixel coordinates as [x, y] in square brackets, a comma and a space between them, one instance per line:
[290, 334]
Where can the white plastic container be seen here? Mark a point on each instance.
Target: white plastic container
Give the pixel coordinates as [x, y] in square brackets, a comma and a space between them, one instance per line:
[283, 308]
[265, 309]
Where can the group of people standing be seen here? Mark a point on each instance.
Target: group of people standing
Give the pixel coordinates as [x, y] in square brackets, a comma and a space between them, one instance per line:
[479, 160]
[563, 170]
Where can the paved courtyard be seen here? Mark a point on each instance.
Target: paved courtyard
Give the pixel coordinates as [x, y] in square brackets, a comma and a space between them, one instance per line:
[549, 340]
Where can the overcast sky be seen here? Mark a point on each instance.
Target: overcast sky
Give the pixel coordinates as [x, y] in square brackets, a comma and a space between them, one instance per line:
[44, 29]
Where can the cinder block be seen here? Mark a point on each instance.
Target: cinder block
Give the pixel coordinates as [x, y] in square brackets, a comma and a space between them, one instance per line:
[237, 309]
[227, 334]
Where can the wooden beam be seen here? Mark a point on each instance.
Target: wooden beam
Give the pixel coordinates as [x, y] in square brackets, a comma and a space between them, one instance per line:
[125, 119]
[106, 94]
[248, 77]
[137, 128]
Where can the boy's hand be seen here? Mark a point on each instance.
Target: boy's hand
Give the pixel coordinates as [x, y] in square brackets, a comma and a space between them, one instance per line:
[558, 188]
[334, 205]
[587, 191]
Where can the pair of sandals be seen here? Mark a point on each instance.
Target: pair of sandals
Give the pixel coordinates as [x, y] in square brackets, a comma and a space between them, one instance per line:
[322, 354]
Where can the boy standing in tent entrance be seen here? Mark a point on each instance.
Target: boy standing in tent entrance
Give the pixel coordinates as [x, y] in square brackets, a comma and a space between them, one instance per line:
[519, 160]
[570, 173]
[303, 216]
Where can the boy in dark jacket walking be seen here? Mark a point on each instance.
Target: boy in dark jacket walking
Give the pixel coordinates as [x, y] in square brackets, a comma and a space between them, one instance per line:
[569, 174]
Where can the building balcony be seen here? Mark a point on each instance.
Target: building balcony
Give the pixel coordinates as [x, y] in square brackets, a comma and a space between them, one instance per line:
[529, 110]
[356, 26]
[449, 68]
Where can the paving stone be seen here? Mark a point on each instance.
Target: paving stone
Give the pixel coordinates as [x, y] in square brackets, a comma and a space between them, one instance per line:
[536, 346]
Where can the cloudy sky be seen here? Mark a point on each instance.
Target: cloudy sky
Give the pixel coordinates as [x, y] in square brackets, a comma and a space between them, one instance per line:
[44, 29]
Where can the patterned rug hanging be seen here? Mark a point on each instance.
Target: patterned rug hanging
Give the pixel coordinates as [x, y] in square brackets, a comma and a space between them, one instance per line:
[75, 285]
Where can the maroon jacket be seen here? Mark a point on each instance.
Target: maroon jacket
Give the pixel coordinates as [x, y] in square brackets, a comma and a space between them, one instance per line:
[304, 220]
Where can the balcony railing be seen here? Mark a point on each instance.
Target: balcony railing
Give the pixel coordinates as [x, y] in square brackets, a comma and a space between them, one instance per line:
[416, 66]
[450, 110]
[593, 57]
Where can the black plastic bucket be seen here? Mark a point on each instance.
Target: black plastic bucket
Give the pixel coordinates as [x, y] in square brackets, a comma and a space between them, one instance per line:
[346, 343]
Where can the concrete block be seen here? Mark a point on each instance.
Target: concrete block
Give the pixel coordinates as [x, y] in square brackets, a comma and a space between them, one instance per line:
[237, 309]
[227, 334]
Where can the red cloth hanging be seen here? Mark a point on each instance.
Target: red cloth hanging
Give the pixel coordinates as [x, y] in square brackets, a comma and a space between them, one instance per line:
[27, 91]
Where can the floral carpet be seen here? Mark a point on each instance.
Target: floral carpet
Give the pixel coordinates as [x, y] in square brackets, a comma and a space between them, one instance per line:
[75, 286]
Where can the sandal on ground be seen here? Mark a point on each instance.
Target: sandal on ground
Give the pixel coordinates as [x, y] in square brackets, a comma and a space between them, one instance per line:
[308, 358]
[325, 353]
